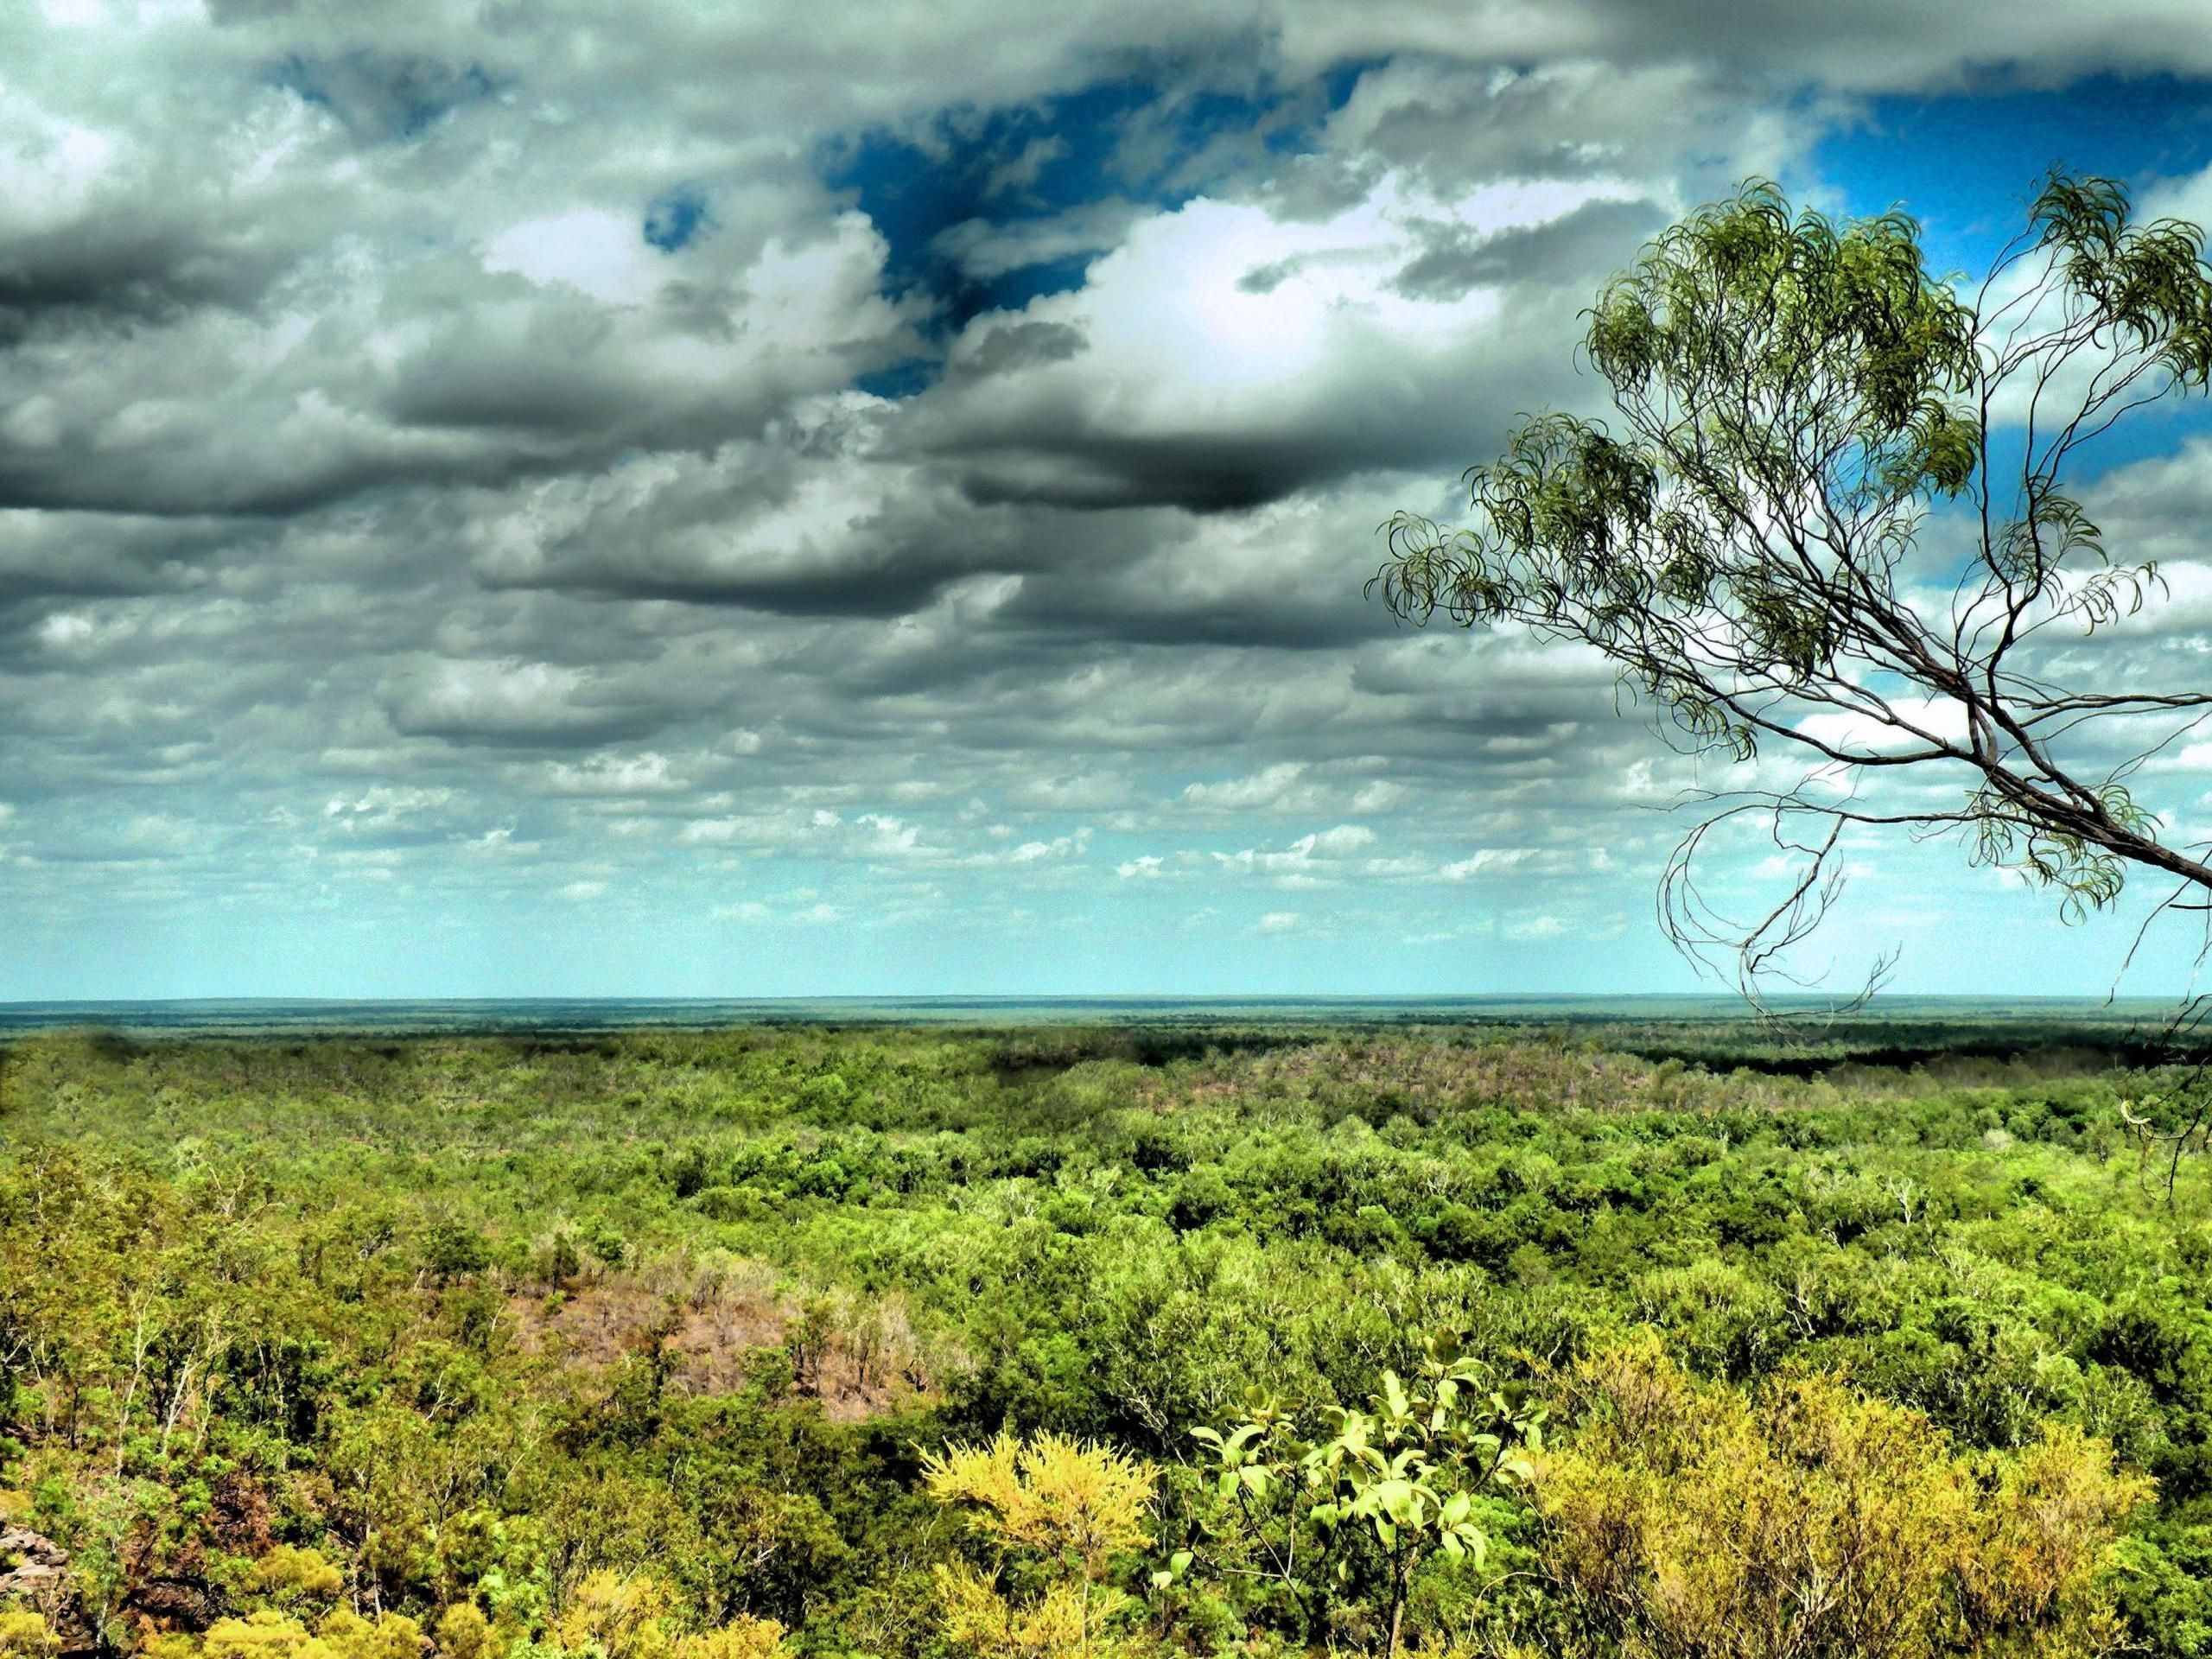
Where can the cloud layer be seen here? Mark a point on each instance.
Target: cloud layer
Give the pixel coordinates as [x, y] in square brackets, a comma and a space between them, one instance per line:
[679, 498]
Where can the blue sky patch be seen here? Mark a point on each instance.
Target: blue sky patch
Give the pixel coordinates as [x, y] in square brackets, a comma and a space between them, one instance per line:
[385, 95]
[903, 379]
[1966, 165]
[1134, 141]
[676, 219]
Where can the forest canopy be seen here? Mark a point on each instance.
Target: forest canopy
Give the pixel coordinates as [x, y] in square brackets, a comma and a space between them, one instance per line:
[1272, 1339]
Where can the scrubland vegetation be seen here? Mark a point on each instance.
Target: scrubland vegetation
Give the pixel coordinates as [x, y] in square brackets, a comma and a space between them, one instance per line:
[1639, 1341]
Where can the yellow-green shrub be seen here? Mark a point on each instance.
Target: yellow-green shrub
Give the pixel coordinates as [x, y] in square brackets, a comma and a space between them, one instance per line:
[463, 1632]
[288, 1575]
[1803, 1519]
[627, 1615]
[344, 1635]
[25, 1634]
[1075, 1506]
[748, 1638]
[622, 1615]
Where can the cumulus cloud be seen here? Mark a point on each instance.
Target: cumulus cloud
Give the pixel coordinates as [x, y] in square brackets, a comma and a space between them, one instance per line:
[457, 466]
[1264, 788]
[613, 776]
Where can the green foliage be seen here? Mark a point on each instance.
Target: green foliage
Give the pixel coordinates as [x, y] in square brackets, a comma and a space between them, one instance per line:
[477, 1332]
[1383, 1488]
[1760, 351]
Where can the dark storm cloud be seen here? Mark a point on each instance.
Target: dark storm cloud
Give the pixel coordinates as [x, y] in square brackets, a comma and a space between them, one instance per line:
[221, 12]
[1856, 45]
[384, 94]
[57, 554]
[114, 276]
[513, 704]
[546, 382]
[1051, 438]
[1134, 611]
[1199, 471]
[1590, 240]
[803, 524]
[898, 577]
[1011, 345]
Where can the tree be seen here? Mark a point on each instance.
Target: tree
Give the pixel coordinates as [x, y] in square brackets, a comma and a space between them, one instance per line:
[1068, 1507]
[629, 1616]
[1799, 400]
[1385, 1489]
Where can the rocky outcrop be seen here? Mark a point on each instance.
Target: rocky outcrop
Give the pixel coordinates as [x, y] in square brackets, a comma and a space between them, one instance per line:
[35, 1569]
[31, 1564]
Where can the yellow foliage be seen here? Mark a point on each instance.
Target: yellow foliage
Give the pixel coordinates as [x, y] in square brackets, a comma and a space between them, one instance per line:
[977, 1617]
[344, 1635]
[1805, 1520]
[349, 1635]
[1077, 1505]
[624, 1615]
[463, 1632]
[627, 1616]
[260, 1636]
[287, 1573]
[24, 1635]
[1053, 1494]
[748, 1638]
[2052, 1512]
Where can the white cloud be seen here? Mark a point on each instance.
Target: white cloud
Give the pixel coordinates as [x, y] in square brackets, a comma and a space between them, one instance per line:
[64, 629]
[1060, 847]
[614, 775]
[1345, 838]
[1261, 789]
[888, 837]
[598, 253]
[1537, 928]
[1939, 718]
[507, 702]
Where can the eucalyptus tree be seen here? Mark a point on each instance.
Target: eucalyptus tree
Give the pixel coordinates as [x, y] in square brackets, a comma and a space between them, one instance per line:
[1833, 521]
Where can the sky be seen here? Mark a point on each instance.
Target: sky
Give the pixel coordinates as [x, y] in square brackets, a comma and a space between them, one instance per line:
[664, 499]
